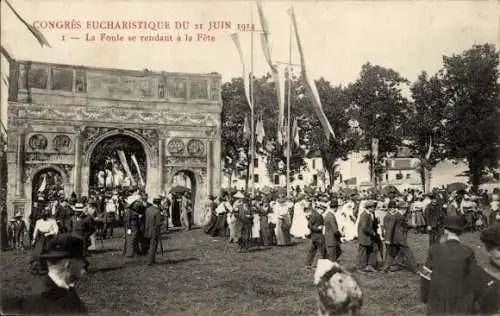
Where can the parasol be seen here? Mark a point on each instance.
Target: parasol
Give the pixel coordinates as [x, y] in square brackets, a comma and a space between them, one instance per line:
[456, 186]
[388, 189]
[180, 189]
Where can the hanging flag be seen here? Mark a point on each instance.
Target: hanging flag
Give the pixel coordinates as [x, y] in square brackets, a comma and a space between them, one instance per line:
[123, 161]
[310, 86]
[375, 149]
[36, 33]
[295, 133]
[429, 152]
[259, 130]
[136, 164]
[43, 186]
[266, 48]
[246, 81]
[246, 128]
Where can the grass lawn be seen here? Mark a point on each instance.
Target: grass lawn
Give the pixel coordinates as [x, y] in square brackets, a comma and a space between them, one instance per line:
[200, 275]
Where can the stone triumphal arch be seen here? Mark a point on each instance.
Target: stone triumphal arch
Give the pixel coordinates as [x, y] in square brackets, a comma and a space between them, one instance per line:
[59, 114]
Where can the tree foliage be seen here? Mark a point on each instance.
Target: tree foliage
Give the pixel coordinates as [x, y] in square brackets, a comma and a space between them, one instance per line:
[425, 122]
[471, 86]
[380, 108]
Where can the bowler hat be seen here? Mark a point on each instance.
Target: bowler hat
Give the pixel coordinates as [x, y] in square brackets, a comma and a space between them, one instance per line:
[334, 203]
[491, 235]
[454, 223]
[64, 246]
[211, 197]
[371, 204]
[157, 199]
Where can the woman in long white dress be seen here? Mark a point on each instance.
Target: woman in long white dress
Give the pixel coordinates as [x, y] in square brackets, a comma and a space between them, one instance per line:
[299, 227]
[348, 222]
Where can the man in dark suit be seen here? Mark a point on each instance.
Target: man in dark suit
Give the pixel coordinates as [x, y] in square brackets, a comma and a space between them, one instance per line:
[367, 238]
[245, 217]
[332, 233]
[434, 216]
[315, 223]
[487, 278]
[399, 253]
[152, 228]
[55, 293]
[446, 278]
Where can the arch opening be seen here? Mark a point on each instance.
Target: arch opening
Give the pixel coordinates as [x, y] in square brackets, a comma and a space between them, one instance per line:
[182, 181]
[117, 162]
[46, 184]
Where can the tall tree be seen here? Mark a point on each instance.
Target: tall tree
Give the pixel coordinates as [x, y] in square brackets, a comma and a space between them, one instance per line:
[380, 109]
[335, 101]
[471, 87]
[424, 128]
[234, 109]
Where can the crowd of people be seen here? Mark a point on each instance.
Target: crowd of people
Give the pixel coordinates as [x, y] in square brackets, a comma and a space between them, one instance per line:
[377, 221]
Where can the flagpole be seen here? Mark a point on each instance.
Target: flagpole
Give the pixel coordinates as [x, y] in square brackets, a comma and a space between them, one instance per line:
[288, 113]
[252, 124]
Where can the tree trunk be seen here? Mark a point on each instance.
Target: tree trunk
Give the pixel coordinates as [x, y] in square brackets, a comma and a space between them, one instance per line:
[331, 175]
[428, 179]
[475, 171]
[423, 179]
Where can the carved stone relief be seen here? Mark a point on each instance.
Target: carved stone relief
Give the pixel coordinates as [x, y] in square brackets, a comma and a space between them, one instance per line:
[38, 142]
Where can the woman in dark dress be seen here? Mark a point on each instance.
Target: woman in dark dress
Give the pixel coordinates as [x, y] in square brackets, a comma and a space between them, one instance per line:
[132, 228]
[265, 230]
[45, 229]
[221, 228]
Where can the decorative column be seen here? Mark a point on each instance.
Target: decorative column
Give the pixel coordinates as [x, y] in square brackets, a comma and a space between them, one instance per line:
[20, 165]
[77, 175]
[161, 144]
[210, 166]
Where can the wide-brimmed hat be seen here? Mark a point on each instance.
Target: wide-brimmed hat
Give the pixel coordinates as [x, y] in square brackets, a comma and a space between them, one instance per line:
[64, 246]
[212, 197]
[454, 223]
[239, 195]
[78, 207]
[18, 214]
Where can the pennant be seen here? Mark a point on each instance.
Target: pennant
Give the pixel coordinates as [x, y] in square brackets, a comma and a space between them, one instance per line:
[246, 81]
[429, 152]
[36, 33]
[123, 161]
[266, 49]
[43, 186]
[259, 130]
[246, 128]
[310, 86]
[375, 149]
[295, 133]
[136, 164]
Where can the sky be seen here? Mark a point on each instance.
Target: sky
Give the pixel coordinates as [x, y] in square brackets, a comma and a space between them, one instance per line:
[337, 36]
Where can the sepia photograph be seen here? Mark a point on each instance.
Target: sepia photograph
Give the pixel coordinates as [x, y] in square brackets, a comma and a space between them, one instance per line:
[253, 157]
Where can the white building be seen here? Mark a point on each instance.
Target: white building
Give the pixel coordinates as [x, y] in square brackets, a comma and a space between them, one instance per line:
[313, 174]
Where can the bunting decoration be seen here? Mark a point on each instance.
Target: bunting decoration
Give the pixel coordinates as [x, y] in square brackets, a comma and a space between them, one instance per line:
[136, 164]
[266, 48]
[310, 86]
[246, 81]
[36, 33]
